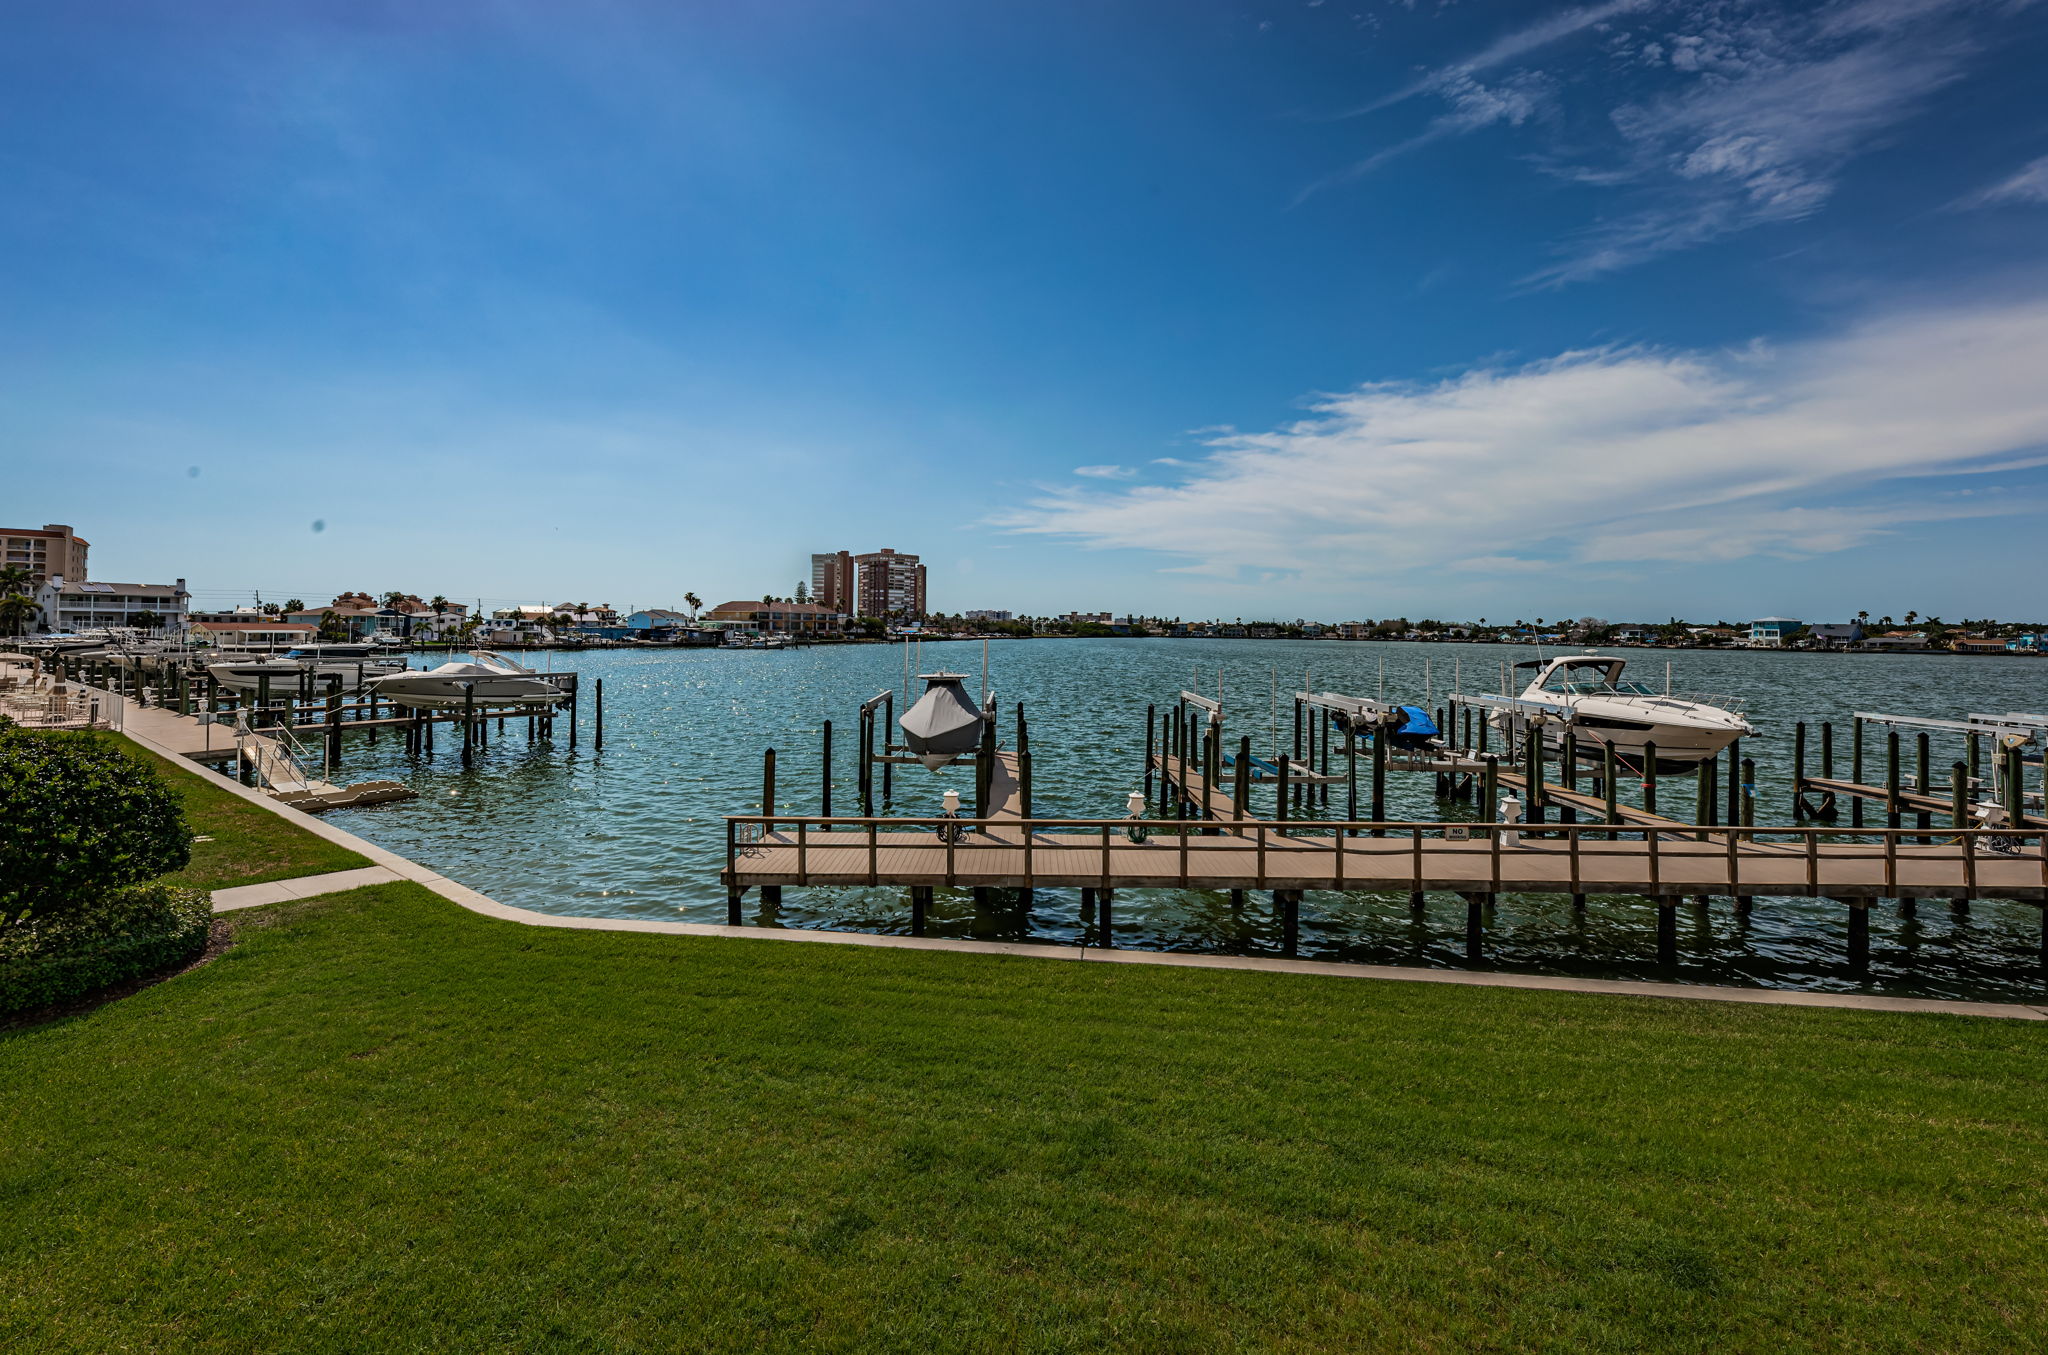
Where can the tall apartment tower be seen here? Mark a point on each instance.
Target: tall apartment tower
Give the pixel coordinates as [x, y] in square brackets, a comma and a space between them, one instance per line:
[890, 584]
[51, 552]
[832, 581]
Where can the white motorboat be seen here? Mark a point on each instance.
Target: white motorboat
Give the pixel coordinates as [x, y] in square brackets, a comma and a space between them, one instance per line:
[1587, 694]
[352, 664]
[493, 679]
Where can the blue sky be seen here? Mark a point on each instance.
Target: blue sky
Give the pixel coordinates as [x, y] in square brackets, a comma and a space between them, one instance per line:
[1339, 309]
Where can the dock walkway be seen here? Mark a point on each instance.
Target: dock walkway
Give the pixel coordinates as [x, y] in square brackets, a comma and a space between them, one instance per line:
[1388, 857]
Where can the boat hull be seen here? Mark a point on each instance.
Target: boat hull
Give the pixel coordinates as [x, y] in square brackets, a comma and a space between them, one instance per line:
[416, 692]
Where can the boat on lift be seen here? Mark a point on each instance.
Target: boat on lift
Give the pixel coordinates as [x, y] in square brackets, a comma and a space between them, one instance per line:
[945, 724]
[1586, 694]
[493, 679]
[352, 664]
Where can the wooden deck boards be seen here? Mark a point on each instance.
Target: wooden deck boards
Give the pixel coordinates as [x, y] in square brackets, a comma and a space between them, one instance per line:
[1392, 864]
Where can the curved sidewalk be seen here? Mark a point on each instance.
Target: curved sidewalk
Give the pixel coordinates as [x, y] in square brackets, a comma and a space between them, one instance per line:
[388, 867]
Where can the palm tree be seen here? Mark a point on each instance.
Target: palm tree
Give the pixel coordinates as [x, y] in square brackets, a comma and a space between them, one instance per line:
[14, 579]
[1910, 616]
[694, 603]
[17, 610]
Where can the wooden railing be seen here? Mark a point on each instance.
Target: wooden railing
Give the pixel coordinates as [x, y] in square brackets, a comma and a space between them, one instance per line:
[1341, 847]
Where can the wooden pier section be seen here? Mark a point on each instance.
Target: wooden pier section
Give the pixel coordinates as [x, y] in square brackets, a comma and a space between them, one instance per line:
[1686, 861]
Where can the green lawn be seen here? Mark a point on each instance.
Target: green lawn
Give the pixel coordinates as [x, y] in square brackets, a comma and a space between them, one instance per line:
[250, 844]
[379, 1123]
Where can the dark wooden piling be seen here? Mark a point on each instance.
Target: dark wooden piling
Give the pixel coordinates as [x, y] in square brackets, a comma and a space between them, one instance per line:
[1649, 776]
[1151, 719]
[1859, 934]
[597, 730]
[1921, 771]
[1287, 904]
[1959, 796]
[468, 721]
[732, 906]
[1667, 932]
[1024, 782]
[1799, 772]
[768, 787]
[1475, 926]
[1280, 795]
[888, 734]
[920, 907]
[1241, 782]
[1105, 924]
[1891, 777]
[1856, 771]
[1609, 790]
[334, 724]
[1379, 773]
[825, 770]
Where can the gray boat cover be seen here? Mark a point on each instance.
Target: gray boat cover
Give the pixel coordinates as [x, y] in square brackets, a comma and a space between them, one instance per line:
[945, 723]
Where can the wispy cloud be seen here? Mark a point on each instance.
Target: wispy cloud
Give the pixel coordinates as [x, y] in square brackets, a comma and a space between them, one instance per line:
[2029, 185]
[1752, 115]
[1105, 472]
[1611, 456]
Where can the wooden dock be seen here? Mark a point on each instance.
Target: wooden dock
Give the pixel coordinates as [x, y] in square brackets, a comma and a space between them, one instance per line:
[1382, 857]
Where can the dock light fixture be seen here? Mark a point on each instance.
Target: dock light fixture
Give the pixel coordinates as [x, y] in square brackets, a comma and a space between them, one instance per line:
[1134, 803]
[952, 803]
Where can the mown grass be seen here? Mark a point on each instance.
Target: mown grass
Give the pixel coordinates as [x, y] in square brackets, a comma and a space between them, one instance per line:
[381, 1123]
[248, 844]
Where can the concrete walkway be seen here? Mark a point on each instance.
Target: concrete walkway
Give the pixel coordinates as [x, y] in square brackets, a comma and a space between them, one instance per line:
[304, 887]
[390, 866]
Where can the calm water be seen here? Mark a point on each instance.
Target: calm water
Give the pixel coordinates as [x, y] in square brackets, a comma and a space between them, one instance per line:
[636, 831]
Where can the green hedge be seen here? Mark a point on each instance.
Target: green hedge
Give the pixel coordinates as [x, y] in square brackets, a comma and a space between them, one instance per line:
[130, 934]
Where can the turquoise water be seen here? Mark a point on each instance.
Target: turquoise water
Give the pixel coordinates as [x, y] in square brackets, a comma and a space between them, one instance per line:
[636, 830]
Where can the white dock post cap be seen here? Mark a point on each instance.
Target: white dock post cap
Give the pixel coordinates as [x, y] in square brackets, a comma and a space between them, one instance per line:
[952, 801]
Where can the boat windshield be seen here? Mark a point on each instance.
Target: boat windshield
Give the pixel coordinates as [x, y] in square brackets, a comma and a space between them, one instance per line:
[1601, 687]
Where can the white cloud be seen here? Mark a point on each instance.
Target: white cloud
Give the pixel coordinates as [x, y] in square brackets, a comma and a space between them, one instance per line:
[2029, 185]
[1105, 472]
[1607, 457]
[1750, 116]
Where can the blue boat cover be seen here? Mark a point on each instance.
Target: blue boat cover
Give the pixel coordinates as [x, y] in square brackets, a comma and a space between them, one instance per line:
[1418, 725]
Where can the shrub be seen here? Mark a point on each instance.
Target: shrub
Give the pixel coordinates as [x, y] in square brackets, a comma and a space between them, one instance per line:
[79, 819]
[60, 957]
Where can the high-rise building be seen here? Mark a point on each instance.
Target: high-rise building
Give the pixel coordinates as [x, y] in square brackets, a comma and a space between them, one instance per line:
[891, 585]
[49, 553]
[832, 582]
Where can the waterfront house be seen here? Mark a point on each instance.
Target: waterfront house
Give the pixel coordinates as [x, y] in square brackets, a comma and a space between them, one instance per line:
[1631, 635]
[655, 619]
[1828, 635]
[358, 615]
[100, 606]
[1771, 632]
[1977, 644]
[2027, 644]
[1895, 639]
[779, 618]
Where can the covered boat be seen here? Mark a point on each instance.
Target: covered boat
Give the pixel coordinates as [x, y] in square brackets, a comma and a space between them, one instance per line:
[945, 724]
[494, 679]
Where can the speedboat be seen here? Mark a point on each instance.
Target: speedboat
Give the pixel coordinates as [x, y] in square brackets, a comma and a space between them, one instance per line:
[493, 679]
[945, 724]
[352, 664]
[1586, 694]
